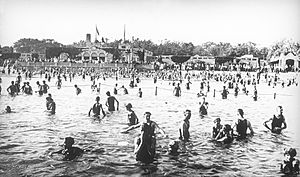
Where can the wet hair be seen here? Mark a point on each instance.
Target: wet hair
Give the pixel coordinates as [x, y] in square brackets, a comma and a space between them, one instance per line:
[75, 85]
[70, 139]
[173, 146]
[292, 152]
[129, 105]
[8, 109]
[147, 113]
[97, 98]
[108, 93]
[189, 111]
[217, 119]
[241, 112]
[227, 127]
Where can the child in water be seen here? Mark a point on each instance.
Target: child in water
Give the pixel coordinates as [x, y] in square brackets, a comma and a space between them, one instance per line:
[69, 151]
[290, 164]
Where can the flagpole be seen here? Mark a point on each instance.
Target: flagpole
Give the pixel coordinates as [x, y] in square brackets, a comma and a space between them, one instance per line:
[124, 32]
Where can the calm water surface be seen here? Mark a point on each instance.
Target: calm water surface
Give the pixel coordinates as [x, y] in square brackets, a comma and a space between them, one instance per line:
[27, 136]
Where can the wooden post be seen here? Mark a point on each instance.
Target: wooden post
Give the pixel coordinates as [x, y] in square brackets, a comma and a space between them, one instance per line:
[274, 95]
[214, 92]
[156, 91]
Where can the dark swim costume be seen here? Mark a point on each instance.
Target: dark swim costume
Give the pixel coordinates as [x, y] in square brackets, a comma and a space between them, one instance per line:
[241, 128]
[277, 122]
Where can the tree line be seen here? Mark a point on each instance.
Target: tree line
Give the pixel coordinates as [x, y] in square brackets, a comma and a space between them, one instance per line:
[28, 45]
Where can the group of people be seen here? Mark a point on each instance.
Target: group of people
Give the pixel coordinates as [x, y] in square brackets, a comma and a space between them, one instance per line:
[145, 143]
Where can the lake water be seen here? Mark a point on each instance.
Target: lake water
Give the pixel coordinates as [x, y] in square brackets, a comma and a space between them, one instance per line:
[28, 135]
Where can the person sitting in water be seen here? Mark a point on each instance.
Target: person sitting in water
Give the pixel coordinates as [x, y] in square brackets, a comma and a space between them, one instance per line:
[290, 165]
[78, 90]
[203, 107]
[125, 91]
[110, 103]
[225, 135]
[7, 110]
[132, 118]
[184, 133]
[145, 144]
[200, 94]
[217, 127]
[242, 125]
[69, 151]
[97, 108]
[277, 121]
[173, 147]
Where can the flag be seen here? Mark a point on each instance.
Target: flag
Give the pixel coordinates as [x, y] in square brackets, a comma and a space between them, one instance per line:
[97, 31]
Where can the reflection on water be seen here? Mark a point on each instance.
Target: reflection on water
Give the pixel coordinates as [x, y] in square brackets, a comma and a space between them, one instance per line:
[27, 136]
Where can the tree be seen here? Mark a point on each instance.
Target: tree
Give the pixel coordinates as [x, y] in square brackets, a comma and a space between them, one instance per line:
[28, 45]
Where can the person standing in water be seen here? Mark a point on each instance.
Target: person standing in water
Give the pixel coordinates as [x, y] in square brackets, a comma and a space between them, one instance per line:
[177, 90]
[242, 125]
[145, 144]
[110, 103]
[277, 121]
[217, 127]
[184, 133]
[132, 118]
[203, 107]
[97, 109]
[140, 93]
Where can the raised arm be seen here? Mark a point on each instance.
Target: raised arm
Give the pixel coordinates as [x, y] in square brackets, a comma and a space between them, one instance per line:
[266, 124]
[132, 127]
[160, 129]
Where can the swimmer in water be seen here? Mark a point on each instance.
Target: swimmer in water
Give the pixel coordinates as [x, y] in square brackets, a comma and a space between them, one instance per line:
[110, 103]
[78, 90]
[277, 121]
[145, 144]
[132, 118]
[97, 108]
[203, 107]
[242, 125]
[173, 147]
[217, 127]
[69, 151]
[225, 135]
[290, 165]
[184, 133]
[7, 110]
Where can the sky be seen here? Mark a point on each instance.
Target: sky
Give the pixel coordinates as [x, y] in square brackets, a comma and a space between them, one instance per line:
[263, 22]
